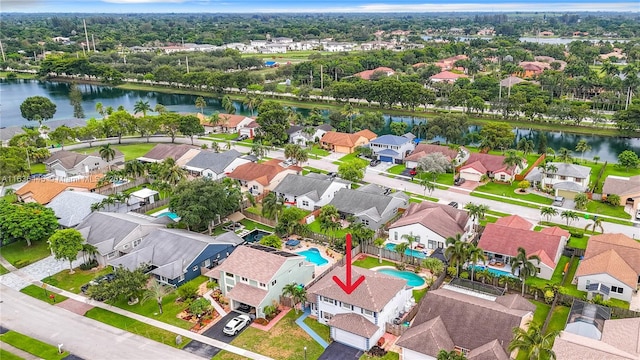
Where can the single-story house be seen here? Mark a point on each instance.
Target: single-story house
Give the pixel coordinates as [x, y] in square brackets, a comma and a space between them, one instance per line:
[215, 165]
[618, 341]
[610, 267]
[432, 224]
[373, 209]
[71, 207]
[568, 181]
[308, 192]
[299, 135]
[358, 319]
[233, 123]
[501, 240]
[255, 275]
[258, 177]
[367, 74]
[493, 166]
[65, 163]
[162, 151]
[391, 148]
[422, 150]
[628, 188]
[346, 143]
[43, 191]
[446, 76]
[479, 327]
[176, 256]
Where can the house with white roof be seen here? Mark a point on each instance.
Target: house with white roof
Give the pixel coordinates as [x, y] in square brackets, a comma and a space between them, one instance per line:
[391, 148]
[71, 207]
[303, 135]
[309, 192]
[567, 180]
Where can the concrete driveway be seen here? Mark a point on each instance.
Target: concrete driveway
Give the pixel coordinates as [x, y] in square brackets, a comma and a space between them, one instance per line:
[338, 351]
[215, 332]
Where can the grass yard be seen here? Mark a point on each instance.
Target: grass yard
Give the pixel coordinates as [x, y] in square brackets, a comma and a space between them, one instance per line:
[419, 294]
[506, 201]
[41, 294]
[508, 190]
[578, 243]
[389, 356]
[599, 207]
[73, 282]
[5, 355]
[618, 303]
[573, 267]
[497, 213]
[541, 312]
[573, 291]
[21, 255]
[611, 169]
[396, 169]
[558, 318]
[19, 75]
[250, 225]
[130, 151]
[352, 156]
[32, 346]
[222, 136]
[3, 270]
[285, 341]
[38, 168]
[488, 219]
[318, 151]
[150, 309]
[371, 262]
[320, 329]
[315, 227]
[135, 326]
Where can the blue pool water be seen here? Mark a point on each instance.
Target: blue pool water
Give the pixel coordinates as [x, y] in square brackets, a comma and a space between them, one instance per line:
[495, 272]
[170, 215]
[255, 235]
[413, 280]
[313, 256]
[414, 253]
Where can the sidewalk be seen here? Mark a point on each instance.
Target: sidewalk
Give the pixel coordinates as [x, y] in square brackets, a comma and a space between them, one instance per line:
[308, 330]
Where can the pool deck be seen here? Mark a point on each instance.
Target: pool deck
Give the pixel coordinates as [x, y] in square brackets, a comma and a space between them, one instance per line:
[306, 245]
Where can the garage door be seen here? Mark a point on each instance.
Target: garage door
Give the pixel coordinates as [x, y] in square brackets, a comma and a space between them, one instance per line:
[469, 176]
[350, 339]
[567, 194]
[386, 159]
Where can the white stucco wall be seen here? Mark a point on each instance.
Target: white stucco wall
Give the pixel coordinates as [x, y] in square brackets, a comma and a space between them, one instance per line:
[609, 281]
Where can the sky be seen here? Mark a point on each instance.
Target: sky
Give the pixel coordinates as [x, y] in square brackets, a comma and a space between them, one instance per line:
[313, 6]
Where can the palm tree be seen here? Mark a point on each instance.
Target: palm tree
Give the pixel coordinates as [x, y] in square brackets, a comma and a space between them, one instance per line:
[597, 223]
[214, 119]
[328, 218]
[228, 105]
[258, 150]
[296, 292]
[107, 153]
[201, 104]
[171, 173]
[483, 275]
[546, 168]
[100, 109]
[475, 255]
[272, 205]
[512, 159]
[533, 343]
[524, 266]
[88, 250]
[379, 242]
[456, 251]
[569, 215]
[402, 250]
[215, 146]
[526, 146]
[141, 107]
[295, 152]
[349, 112]
[427, 185]
[157, 291]
[134, 168]
[548, 212]
[583, 147]
[410, 240]
[565, 155]
[251, 102]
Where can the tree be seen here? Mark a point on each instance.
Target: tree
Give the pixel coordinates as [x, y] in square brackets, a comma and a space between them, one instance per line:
[597, 223]
[435, 164]
[398, 128]
[360, 233]
[583, 147]
[496, 136]
[107, 153]
[401, 249]
[120, 123]
[524, 266]
[61, 134]
[141, 106]
[258, 149]
[272, 205]
[564, 155]
[349, 112]
[329, 220]
[628, 159]
[352, 170]
[548, 212]
[456, 251]
[450, 355]
[410, 238]
[215, 146]
[581, 200]
[296, 153]
[160, 109]
[29, 222]
[190, 126]
[273, 123]
[449, 126]
[379, 243]
[126, 284]
[100, 109]
[613, 200]
[474, 255]
[37, 108]
[66, 244]
[512, 159]
[526, 146]
[524, 185]
[569, 215]
[533, 343]
[427, 184]
[201, 104]
[542, 144]
[297, 292]
[75, 99]
[289, 222]
[147, 126]
[157, 292]
[228, 105]
[170, 124]
[434, 265]
[272, 240]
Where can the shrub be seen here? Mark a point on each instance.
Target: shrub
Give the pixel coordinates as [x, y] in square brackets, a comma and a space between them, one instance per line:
[581, 201]
[188, 291]
[613, 200]
[269, 311]
[524, 185]
[200, 307]
[576, 234]
[89, 265]
[548, 296]
[451, 270]
[435, 266]
[212, 284]
[272, 240]
[464, 274]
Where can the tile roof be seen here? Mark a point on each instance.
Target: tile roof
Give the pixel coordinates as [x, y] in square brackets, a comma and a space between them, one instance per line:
[366, 75]
[506, 240]
[489, 351]
[71, 207]
[229, 120]
[624, 334]
[427, 338]
[246, 294]
[262, 267]
[514, 221]
[568, 346]
[625, 247]
[487, 163]
[340, 139]
[609, 262]
[163, 151]
[555, 230]
[390, 140]
[260, 172]
[213, 161]
[422, 150]
[447, 75]
[354, 323]
[368, 134]
[444, 220]
[624, 187]
[44, 190]
[373, 294]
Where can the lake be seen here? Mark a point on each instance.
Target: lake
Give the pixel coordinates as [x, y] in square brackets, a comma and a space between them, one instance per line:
[13, 93]
[539, 40]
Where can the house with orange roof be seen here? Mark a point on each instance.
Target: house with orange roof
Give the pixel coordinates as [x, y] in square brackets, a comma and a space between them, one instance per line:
[367, 74]
[447, 76]
[346, 143]
[43, 191]
[449, 63]
[501, 240]
[493, 166]
[233, 123]
[423, 150]
[258, 177]
[610, 267]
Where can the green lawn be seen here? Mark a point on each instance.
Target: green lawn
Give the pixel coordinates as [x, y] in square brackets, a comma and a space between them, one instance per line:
[5, 355]
[540, 315]
[419, 294]
[250, 225]
[32, 346]
[488, 219]
[599, 207]
[573, 291]
[161, 193]
[578, 243]
[38, 168]
[134, 326]
[21, 255]
[556, 278]
[396, 169]
[150, 309]
[320, 329]
[573, 267]
[318, 151]
[497, 213]
[618, 303]
[130, 151]
[611, 169]
[371, 262]
[506, 201]
[73, 282]
[315, 227]
[42, 294]
[352, 156]
[508, 190]
[558, 318]
[225, 137]
[389, 356]
[285, 341]
[20, 75]
[3, 270]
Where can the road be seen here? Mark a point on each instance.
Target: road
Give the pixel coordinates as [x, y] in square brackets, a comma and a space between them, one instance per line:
[84, 337]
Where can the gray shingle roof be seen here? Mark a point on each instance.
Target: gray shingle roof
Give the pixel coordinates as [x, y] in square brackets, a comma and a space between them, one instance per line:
[215, 162]
[357, 202]
[564, 169]
[298, 185]
[355, 324]
[390, 140]
[71, 207]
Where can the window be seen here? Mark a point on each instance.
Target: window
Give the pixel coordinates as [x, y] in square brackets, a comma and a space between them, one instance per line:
[244, 279]
[562, 177]
[273, 282]
[503, 177]
[112, 254]
[328, 301]
[347, 306]
[263, 285]
[395, 235]
[367, 312]
[617, 289]
[305, 203]
[227, 274]
[431, 244]
[550, 176]
[181, 278]
[365, 222]
[136, 242]
[579, 180]
[538, 270]
[326, 315]
[194, 268]
[126, 246]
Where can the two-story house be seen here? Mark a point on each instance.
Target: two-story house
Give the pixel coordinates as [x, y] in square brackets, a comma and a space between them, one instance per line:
[258, 177]
[369, 204]
[567, 180]
[215, 165]
[358, 319]
[309, 192]
[304, 135]
[391, 148]
[255, 275]
[65, 163]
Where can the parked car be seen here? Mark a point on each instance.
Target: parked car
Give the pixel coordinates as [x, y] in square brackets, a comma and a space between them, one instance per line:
[638, 214]
[558, 201]
[453, 204]
[236, 324]
[332, 175]
[413, 172]
[387, 191]
[242, 137]
[458, 181]
[98, 280]
[374, 162]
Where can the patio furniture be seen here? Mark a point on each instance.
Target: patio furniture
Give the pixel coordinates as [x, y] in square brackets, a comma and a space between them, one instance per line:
[499, 264]
[292, 244]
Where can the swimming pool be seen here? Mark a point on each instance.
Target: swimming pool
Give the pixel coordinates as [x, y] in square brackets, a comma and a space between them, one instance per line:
[255, 235]
[313, 256]
[495, 272]
[170, 215]
[413, 280]
[414, 253]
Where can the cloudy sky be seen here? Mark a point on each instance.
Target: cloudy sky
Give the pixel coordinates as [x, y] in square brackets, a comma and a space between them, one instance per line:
[252, 6]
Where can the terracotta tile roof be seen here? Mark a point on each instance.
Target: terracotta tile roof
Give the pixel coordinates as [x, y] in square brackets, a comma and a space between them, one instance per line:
[262, 266]
[260, 172]
[447, 75]
[423, 149]
[427, 338]
[43, 191]
[368, 134]
[554, 230]
[506, 240]
[355, 324]
[514, 221]
[609, 262]
[373, 294]
[247, 294]
[228, 120]
[444, 220]
[340, 139]
[624, 246]
[487, 162]
[624, 334]
[366, 75]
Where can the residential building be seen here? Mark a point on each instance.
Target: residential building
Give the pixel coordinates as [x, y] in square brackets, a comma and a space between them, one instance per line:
[255, 275]
[233, 123]
[610, 267]
[449, 63]
[509, 81]
[460, 156]
[359, 319]
[368, 205]
[65, 163]
[446, 76]
[176, 256]
[346, 143]
[215, 165]
[546, 33]
[273, 49]
[115, 234]
[367, 74]
[337, 46]
[71, 207]
[432, 224]
[532, 68]
[493, 166]
[249, 129]
[305, 135]
[501, 240]
[628, 188]
[568, 180]
[391, 148]
[479, 328]
[43, 191]
[258, 177]
[308, 192]
[281, 40]
[162, 151]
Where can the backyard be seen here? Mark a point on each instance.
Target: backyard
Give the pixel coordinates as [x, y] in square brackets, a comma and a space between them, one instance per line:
[315, 227]
[21, 255]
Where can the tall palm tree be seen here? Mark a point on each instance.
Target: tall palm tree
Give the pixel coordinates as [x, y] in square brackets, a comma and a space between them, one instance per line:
[410, 238]
[456, 251]
[569, 215]
[533, 343]
[215, 119]
[512, 159]
[475, 255]
[401, 249]
[597, 223]
[524, 265]
[565, 155]
[201, 104]
[427, 185]
[134, 168]
[215, 147]
[251, 102]
[548, 212]
[88, 250]
[349, 112]
[258, 149]
[272, 205]
[107, 153]
[156, 291]
[141, 107]
[296, 292]
[171, 173]
[228, 105]
[582, 147]
[379, 242]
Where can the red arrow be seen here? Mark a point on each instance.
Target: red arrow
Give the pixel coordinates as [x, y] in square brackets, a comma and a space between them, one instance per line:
[349, 286]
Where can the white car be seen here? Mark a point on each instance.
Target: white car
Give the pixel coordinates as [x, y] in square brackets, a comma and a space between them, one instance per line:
[236, 324]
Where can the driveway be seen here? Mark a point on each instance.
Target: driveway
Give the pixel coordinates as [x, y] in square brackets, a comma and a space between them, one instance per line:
[215, 332]
[338, 351]
[204, 350]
